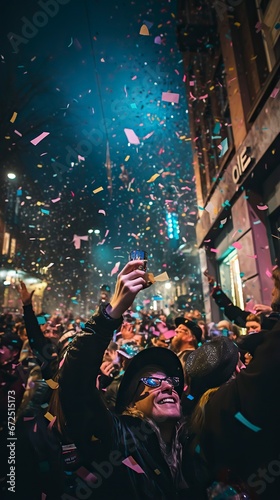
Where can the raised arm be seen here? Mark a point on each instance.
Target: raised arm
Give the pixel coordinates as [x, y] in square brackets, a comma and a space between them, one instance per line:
[232, 312]
[40, 345]
[83, 408]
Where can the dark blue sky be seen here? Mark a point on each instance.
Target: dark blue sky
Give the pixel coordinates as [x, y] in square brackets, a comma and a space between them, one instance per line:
[83, 77]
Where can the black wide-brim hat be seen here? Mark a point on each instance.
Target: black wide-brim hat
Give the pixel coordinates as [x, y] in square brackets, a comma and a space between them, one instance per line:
[159, 357]
[193, 327]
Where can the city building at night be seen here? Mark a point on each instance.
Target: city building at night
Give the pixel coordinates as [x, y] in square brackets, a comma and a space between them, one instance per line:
[231, 53]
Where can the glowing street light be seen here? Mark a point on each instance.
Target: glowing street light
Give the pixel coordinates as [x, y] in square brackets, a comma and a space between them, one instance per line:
[11, 175]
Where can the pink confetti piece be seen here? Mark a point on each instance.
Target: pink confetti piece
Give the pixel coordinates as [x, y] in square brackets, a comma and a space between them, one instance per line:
[214, 250]
[39, 138]
[170, 97]
[169, 334]
[18, 133]
[274, 93]
[51, 424]
[125, 91]
[61, 362]
[56, 200]
[157, 40]
[83, 473]
[262, 207]
[81, 158]
[237, 245]
[115, 268]
[134, 77]
[148, 135]
[26, 419]
[268, 273]
[132, 464]
[77, 240]
[203, 96]
[35, 427]
[107, 232]
[192, 82]
[184, 78]
[101, 242]
[102, 212]
[131, 136]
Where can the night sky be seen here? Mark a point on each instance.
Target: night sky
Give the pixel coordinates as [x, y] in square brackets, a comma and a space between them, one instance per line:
[82, 78]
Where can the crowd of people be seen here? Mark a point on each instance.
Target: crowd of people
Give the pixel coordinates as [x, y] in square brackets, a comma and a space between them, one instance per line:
[141, 404]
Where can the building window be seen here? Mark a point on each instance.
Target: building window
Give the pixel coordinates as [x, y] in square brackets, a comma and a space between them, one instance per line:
[230, 278]
[13, 247]
[274, 219]
[249, 48]
[6, 244]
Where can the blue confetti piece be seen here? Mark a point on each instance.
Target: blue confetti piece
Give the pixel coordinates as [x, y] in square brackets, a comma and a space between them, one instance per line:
[189, 396]
[246, 422]
[217, 128]
[47, 212]
[197, 449]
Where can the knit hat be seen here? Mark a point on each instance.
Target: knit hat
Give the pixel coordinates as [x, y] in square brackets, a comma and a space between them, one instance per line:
[211, 365]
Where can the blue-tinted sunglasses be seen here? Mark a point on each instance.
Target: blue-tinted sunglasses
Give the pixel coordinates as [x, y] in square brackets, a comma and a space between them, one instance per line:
[154, 382]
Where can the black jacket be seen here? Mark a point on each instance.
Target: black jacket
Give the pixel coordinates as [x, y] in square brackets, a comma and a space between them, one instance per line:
[251, 450]
[122, 438]
[237, 315]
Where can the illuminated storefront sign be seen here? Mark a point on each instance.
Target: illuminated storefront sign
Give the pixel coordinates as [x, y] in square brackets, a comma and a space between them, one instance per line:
[243, 160]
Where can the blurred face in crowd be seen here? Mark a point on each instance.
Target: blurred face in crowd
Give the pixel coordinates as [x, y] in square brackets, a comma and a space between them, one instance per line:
[275, 299]
[158, 403]
[22, 333]
[196, 314]
[137, 338]
[188, 315]
[183, 336]
[127, 331]
[252, 326]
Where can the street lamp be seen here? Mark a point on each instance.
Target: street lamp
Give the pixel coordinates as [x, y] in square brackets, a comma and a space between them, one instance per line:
[11, 175]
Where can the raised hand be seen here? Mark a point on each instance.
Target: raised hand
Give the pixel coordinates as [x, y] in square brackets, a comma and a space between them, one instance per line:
[211, 279]
[107, 368]
[262, 309]
[25, 295]
[130, 281]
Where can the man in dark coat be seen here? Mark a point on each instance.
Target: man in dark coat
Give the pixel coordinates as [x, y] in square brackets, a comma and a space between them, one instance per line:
[240, 433]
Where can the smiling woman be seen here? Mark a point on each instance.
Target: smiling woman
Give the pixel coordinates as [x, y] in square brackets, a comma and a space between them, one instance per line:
[145, 432]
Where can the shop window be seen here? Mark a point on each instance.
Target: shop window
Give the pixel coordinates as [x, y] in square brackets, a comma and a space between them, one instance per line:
[13, 247]
[274, 219]
[230, 278]
[6, 244]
